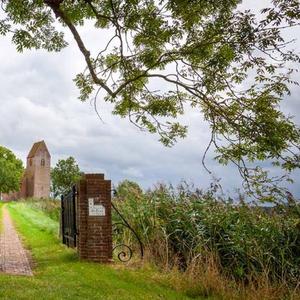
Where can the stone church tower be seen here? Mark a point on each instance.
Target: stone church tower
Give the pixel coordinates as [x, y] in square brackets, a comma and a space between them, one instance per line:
[36, 180]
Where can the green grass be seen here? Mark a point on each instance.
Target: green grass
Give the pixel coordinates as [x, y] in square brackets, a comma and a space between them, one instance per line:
[59, 275]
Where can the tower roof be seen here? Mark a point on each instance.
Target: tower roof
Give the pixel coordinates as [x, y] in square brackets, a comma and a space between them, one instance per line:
[35, 148]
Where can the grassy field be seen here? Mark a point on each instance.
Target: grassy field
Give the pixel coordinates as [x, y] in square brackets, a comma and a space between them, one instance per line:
[59, 275]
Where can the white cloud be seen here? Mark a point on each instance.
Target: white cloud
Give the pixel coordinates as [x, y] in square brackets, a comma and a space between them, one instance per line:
[133, 172]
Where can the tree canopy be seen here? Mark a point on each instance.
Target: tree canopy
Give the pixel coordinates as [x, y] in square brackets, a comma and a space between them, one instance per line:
[64, 175]
[162, 56]
[11, 171]
[127, 188]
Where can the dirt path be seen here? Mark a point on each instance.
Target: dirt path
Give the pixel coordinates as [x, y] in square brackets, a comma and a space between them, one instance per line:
[13, 259]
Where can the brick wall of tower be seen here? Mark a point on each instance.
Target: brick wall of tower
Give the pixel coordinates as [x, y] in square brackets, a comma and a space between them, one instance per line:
[41, 185]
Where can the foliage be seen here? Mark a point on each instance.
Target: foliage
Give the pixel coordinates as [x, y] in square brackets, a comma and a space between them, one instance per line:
[64, 175]
[183, 224]
[11, 171]
[128, 188]
[232, 65]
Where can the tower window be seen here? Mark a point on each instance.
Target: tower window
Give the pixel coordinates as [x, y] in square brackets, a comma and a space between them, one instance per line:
[30, 162]
[42, 162]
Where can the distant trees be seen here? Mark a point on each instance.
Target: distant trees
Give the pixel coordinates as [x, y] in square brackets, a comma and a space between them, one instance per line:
[11, 171]
[64, 175]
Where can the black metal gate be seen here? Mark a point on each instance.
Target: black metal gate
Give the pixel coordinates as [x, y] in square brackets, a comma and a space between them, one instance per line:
[68, 218]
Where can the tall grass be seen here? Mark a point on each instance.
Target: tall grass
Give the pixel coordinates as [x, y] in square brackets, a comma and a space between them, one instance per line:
[184, 227]
[51, 207]
[210, 246]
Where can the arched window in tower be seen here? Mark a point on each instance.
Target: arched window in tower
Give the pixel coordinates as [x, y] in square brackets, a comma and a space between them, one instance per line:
[42, 162]
[30, 162]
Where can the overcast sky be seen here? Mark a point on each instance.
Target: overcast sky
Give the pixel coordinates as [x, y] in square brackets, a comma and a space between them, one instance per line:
[39, 102]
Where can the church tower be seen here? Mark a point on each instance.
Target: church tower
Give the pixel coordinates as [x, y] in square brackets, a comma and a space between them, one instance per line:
[36, 182]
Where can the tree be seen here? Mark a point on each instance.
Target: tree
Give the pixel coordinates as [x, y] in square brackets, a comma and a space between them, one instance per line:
[64, 175]
[127, 188]
[11, 171]
[232, 65]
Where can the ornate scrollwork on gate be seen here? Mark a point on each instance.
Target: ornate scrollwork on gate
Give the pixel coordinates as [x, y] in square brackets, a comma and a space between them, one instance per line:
[123, 251]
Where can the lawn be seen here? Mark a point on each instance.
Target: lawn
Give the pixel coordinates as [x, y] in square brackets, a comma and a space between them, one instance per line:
[59, 275]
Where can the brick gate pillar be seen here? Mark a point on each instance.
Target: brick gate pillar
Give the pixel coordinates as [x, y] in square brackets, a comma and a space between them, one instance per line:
[94, 226]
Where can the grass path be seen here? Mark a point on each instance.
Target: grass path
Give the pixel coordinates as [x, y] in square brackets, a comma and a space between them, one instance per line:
[59, 275]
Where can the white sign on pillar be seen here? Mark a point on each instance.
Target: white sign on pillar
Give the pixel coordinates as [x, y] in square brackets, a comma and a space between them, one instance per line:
[96, 209]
